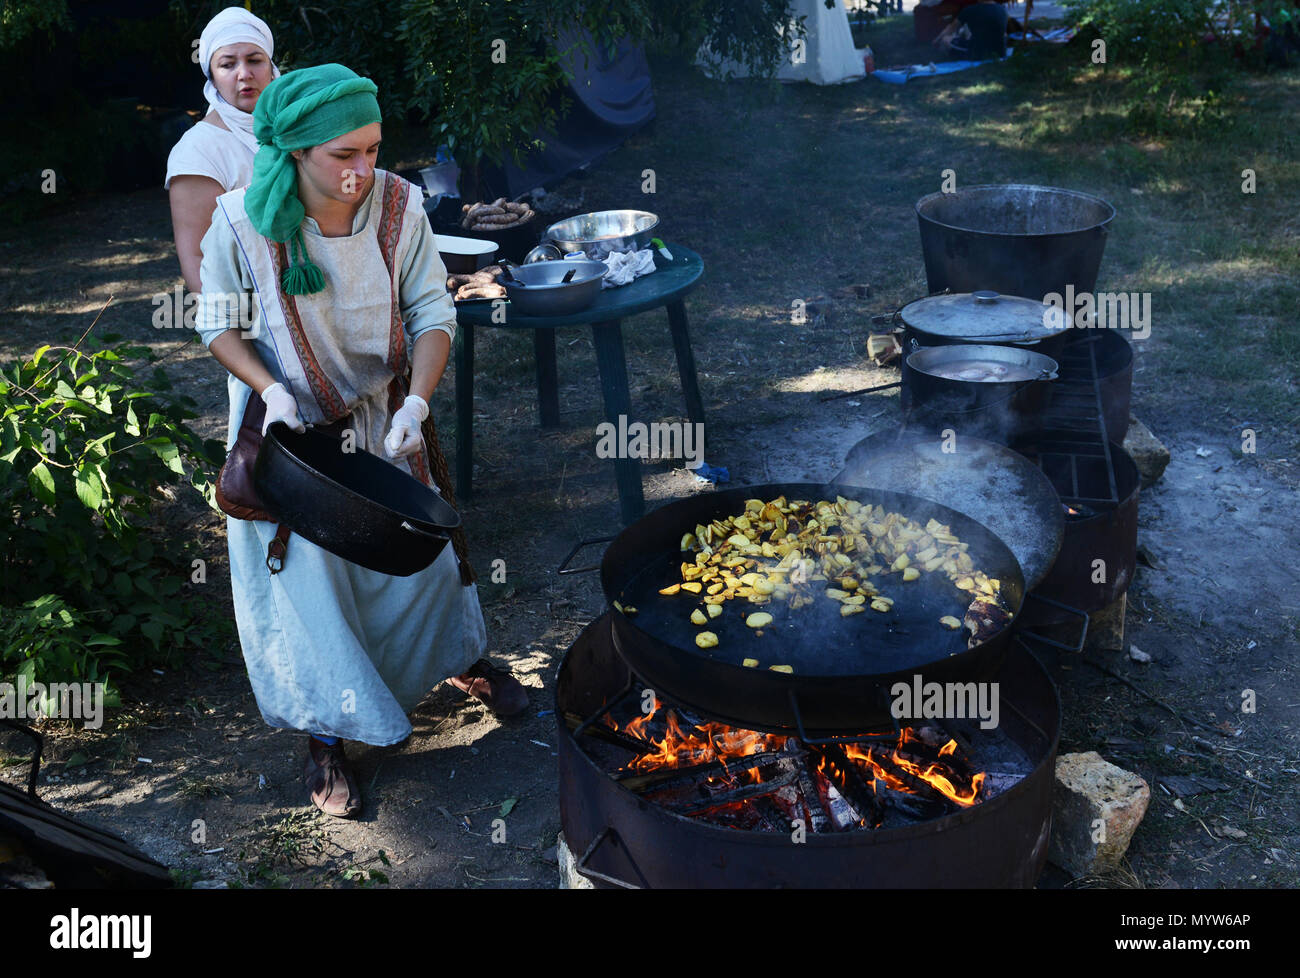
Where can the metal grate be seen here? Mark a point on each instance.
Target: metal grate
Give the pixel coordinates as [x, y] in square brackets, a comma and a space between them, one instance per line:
[1073, 450]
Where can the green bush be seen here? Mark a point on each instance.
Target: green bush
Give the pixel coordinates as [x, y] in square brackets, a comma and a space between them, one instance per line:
[85, 447]
[46, 641]
[1180, 48]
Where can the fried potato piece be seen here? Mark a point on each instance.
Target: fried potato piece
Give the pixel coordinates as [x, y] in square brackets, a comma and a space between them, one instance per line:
[759, 619]
[706, 640]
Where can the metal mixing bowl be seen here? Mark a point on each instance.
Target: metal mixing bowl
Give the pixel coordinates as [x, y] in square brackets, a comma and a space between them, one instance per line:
[543, 294]
[601, 233]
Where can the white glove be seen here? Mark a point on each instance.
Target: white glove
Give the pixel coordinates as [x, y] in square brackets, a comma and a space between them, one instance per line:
[404, 437]
[280, 406]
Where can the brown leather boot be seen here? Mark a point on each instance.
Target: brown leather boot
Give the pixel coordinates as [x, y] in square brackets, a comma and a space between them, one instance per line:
[494, 687]
[329, 779]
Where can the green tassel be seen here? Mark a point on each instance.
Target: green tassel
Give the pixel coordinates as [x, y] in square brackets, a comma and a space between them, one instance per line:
[302, 277]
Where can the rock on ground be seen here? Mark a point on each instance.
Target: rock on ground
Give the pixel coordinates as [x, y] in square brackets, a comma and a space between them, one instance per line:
[1095, 808]
[1147, 450]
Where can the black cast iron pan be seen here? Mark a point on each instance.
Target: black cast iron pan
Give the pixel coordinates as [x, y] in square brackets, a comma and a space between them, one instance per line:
[354, 504]
[843, 668]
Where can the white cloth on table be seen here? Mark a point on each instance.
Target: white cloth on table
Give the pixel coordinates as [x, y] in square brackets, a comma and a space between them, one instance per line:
[331, 647]
[624, 266]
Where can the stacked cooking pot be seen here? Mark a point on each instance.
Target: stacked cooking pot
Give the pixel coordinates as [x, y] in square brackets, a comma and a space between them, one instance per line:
[992, 255]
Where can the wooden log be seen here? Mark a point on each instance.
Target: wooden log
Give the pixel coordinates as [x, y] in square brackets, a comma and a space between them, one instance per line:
[640, 781]
[818, 819]
[744, 793]
[608, 735]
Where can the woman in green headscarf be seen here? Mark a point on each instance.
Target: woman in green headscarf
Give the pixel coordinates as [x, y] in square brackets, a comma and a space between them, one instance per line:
[337, 263]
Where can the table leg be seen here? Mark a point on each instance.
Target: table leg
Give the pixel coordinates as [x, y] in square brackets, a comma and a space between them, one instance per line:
[608, 340]
[685, 361]
[464, 410]
[548, 385]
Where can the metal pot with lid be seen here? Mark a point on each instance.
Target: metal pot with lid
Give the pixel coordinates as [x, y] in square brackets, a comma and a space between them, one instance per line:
[986, 318]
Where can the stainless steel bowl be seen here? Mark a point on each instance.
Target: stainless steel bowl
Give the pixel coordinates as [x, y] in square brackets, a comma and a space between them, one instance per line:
[543, 294]
[599, 234]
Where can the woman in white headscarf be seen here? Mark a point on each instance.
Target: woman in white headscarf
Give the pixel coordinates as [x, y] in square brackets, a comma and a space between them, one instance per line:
[216, 156]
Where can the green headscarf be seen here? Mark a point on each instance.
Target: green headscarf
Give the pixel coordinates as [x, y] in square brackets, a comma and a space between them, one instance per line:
[298, 110]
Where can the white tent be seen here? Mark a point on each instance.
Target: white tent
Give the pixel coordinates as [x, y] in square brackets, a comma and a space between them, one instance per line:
[826, 55]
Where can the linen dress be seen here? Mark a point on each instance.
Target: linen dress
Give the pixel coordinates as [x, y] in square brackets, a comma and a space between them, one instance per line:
[331, 647]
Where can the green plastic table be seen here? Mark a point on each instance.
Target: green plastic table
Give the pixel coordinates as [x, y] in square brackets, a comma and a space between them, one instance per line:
[666, 287]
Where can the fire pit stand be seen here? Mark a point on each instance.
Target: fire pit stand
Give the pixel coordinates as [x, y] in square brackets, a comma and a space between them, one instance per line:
[623, 839]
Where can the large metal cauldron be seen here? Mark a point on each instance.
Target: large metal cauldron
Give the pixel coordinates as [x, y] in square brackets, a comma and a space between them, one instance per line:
[1014, 238]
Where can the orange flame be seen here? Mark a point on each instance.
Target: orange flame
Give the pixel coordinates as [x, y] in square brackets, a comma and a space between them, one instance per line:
[697, 745]
[684, 746]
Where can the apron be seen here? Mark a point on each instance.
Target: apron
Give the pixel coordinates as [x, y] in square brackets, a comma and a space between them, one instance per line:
[331, 647]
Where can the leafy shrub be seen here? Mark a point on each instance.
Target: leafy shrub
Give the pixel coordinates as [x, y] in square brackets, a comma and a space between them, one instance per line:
[84, 449]
[1182, 47]
[46, 641]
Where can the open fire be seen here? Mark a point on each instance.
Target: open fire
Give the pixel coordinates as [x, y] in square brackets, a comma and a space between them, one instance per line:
[750, 780]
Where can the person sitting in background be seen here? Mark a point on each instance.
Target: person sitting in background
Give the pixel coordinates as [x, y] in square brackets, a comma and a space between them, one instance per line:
[977, 33]
[216, 155]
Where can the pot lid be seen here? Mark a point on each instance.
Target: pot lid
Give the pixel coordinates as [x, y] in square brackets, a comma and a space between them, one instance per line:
[988, 482]
[982, 317]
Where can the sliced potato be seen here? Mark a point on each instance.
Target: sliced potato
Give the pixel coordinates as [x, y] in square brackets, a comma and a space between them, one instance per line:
[706, 640]
[759, 619]
[785, 669]
[670, 589]
[749, 663]
[695, 587]
[910, 573]
[698, 617]
[714, 610]
[948, 621]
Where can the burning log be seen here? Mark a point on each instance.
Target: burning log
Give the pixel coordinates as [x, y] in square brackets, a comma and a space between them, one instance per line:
[603, 733]
[743, 793]
[914, 807]
[848, 781]
[818, 821]
[670, 776]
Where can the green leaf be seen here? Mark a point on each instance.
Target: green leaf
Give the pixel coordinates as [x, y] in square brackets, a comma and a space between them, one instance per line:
[153, 631]
[508, 806]
[102, 639]
[89, 491]
[42, 483]
[132, 422]
[77, 759]
[40, 352]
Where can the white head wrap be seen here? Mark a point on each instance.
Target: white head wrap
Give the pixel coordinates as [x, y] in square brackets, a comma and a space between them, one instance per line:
[234, 25]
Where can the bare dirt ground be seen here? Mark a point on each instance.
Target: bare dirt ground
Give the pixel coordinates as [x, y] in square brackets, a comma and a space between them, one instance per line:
[189, 773]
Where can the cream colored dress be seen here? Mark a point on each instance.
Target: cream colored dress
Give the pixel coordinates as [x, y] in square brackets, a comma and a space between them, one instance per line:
[331, 647]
